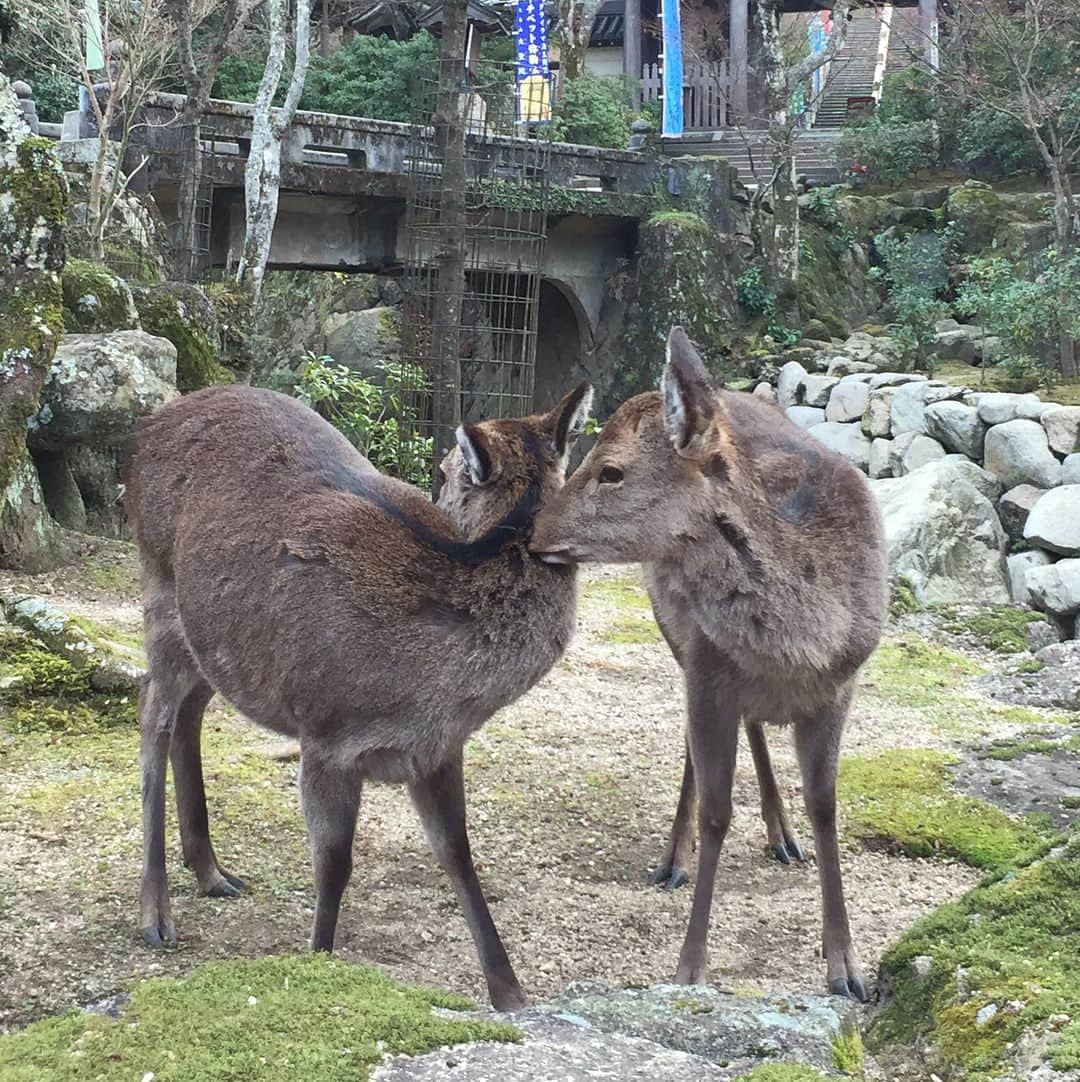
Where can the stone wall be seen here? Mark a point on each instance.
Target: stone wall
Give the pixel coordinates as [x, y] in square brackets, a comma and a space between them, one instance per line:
[980, 490]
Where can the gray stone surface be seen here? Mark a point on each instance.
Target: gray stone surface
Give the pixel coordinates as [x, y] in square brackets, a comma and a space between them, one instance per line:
[1062, 424]
[594, 1031]
[806, 416]
[847, 402]
[975, 475]
[997, 407]
[1015, 506]
[789, 384]
[957, 427]
[1070, 470]
[1017, 453]
[879, 465]
[362, 340]
[943, 535]
[1018, 565]
[766, 391]
[845, 366]
[816, 390]
[100, 385]
[1056, 587]
[1054, 522]
[895, 379]
[910, 402]
[919, 451]
[846, 440]
[877, 420]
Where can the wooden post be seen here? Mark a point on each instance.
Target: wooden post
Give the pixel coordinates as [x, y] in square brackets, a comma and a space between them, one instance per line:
[632, 48]
[928, 32]
[738, 32]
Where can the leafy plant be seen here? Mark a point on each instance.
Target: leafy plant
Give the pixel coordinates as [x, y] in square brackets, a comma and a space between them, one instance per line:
[594, 110]
[888, 152]
[378, 419]
[759, 299]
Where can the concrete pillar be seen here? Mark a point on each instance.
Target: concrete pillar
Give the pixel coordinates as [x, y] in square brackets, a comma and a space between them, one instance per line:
[928, 32]
[738, 27]
[632, 45]
[755, 79]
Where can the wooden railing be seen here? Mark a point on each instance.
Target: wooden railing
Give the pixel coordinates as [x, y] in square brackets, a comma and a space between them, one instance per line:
[705, 93]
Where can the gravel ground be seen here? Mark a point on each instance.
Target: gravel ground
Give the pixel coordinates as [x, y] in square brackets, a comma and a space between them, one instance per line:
[571, 794]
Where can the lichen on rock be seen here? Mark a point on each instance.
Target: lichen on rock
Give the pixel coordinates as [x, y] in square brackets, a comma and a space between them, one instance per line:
[183, 314]
[95, 299]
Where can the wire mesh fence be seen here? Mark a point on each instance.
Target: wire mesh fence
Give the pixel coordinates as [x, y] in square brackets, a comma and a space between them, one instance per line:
[476, 226]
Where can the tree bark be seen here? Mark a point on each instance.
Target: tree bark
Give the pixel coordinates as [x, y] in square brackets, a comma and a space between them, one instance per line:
[576, 18]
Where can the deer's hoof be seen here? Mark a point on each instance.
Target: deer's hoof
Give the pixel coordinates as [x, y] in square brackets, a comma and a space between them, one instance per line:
[162, 934]
[787, 851]
[850, 988]
[669, 878]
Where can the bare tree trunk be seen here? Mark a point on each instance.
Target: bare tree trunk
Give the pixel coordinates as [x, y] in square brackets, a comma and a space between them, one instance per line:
[450, 131]
[576, 18]
[262, 174]
[324, 29]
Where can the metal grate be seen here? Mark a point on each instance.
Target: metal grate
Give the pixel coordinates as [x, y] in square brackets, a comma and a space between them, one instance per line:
[474, 246]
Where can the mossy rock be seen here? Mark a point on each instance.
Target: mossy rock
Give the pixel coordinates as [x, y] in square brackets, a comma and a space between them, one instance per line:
[183, 314]
[979, 214]
[95, 299]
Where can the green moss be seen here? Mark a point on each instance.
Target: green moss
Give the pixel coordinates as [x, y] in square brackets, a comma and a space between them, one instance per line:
[997, 627]
[783, 1072]
[903, 800]
[95, 299]
[911, 672]
[623, 593]
[273, 1018]
[1012, 942]
[1007, 750]
[903, 600]
[628, 631]
[182, 314]
[1031, 665]
[691, 1006]
[847, 1052]
[681, 219]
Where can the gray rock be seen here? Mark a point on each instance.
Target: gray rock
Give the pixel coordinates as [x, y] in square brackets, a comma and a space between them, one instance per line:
[806, 416]
[957, 427]
[1056, 587]
[363, 340]
[1018, 565]
[943, 535]
[1015, 506]
[789, 383]
[877, 420]
[910, 402]
[1062, 425]
[816, 389]
[1054, 522]
[895, 379]
[766, 391]
[845, 366]
[879, 464]
[975, 475]
[964, 342]
[998, 407]
[1017, 453]
[919, 452]
[1038, 633]
[1070, 470]
[100, 385]
[846, 440]
[898, 447]
[847, 402]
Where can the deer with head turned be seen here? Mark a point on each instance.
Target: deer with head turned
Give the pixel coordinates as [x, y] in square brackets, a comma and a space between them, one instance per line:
[764, 557]
[335, 605]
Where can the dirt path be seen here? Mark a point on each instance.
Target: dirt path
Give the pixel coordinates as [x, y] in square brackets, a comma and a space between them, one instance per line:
[572, 791]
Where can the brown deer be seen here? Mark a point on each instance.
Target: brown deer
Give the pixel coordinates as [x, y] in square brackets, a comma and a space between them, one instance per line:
[335, 605]
[765, 560]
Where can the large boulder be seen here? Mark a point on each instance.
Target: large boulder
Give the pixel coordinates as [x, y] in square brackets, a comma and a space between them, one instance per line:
[877, 420]
[895, 379]
[957, 427]
[817, 388]
[910, 402]
[95, 299]
[1017, 453]
[806, 416]
[364, 340]
[789, 384]
[974, 474]
[1018, 566]
[912, 450]
[183, 314]
[847, 401]
[1054, 522]
[1070, 470]
[1062, 424]
[943, 535]
[846, 440]
[100, 385]
[1015, 506]
[880, 463]
[959, 342]
[998, 407]
[1056, 587]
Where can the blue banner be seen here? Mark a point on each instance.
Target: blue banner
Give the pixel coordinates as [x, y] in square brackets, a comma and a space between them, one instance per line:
[673, 74]
[534, 88]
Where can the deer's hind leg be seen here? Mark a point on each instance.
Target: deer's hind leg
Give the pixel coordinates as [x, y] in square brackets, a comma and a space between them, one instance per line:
[186, 756]
[782, 841]
[171, 678]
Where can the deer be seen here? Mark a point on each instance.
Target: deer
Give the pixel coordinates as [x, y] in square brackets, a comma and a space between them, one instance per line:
[763, 554]
[337, 606]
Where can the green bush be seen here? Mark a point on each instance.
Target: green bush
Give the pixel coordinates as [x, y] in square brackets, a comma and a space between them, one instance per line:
[989, 143]
[890, 152]
[377, 419]
[54, 94]
[907, 97]
[594, 110]
[759, 299]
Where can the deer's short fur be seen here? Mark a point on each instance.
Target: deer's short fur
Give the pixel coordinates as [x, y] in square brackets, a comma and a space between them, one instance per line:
[765, 561]
[340, 607]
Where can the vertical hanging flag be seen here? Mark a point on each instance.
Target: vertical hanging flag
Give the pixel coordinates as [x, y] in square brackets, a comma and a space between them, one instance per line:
[533, 86]
[673, 77]
[95, 47]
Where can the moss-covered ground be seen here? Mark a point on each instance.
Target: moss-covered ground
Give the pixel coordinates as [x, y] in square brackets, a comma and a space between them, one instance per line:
[278, 1018]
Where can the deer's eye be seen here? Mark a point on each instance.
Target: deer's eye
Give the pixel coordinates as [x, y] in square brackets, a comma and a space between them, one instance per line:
[611, 475]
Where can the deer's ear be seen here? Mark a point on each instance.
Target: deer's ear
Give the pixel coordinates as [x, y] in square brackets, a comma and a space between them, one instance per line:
[567, 420]
[476, 448]
[692, 411]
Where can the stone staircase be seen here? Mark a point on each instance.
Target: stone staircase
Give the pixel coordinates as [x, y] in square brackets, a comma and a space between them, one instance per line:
[851, 74]
[813, 157]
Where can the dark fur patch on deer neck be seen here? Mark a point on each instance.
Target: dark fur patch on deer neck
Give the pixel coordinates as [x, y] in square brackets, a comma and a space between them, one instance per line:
[740, 545]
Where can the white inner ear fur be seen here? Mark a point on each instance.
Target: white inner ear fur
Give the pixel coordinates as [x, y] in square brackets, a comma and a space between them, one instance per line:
[674, 407]
[580, 416]
[473, 460]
